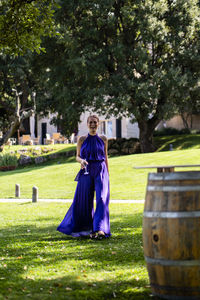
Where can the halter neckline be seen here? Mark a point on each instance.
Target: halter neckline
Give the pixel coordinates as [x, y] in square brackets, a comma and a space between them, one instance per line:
[92, 135]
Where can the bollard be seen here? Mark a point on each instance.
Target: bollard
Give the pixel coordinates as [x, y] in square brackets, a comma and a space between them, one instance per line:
[17, 190]
[35, 194]
[170, 147]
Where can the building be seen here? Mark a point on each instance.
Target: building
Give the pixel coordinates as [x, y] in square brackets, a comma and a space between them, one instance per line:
[111, 127]
[176, 122]
[41, 126]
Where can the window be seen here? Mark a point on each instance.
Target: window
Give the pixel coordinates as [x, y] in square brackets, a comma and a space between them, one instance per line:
[109, 129]
[102, 127]
[105, 127]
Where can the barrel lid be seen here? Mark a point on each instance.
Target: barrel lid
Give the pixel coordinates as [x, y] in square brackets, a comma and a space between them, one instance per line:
[189, 175]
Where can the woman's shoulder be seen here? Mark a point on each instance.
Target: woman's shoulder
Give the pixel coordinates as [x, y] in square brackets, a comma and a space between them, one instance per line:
[82, 138]
[103, 137]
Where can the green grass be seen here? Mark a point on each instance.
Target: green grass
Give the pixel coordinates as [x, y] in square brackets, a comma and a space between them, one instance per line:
[37, 262]
[179, 142]
[56, 180]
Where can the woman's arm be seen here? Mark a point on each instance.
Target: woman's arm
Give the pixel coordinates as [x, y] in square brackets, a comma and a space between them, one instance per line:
[104, 138]
[78, 151]
[106, 152]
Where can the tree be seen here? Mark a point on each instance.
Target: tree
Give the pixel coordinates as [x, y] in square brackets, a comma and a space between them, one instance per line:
[133, 59]
[23, 23]
[16, 88]
[15, 123]
[189, 106]
[139, 60]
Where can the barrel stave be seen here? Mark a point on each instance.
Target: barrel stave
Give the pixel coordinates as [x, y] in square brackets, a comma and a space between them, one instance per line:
[172, 201]
[171, 238]
[171, 234]
[173, 281]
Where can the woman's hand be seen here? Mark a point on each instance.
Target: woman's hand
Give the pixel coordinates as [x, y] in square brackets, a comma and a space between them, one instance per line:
[83, 163]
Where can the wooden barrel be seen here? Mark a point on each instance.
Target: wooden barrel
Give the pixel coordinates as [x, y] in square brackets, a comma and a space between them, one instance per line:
[171, 234]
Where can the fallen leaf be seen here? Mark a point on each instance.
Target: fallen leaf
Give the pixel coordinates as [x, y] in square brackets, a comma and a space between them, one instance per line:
[57, 284]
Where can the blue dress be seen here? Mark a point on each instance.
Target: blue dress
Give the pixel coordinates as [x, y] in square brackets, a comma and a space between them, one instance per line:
[81, 220]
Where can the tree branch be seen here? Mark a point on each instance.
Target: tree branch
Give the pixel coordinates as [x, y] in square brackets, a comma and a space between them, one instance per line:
[18, 118]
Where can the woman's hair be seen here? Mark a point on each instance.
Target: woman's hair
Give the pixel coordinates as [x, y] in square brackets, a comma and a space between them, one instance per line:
[93, 116]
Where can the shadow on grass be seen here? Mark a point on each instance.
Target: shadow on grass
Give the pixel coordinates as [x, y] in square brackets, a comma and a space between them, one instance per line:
[26, 247]
[179, 142]
[73, 287]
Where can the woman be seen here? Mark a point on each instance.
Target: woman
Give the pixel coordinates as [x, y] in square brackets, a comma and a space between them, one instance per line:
[81, 220]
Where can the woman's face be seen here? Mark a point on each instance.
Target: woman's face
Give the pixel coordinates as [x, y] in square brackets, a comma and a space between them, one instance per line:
[92, 125]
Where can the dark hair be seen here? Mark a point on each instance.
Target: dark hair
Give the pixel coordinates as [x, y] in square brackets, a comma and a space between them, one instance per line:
[93, 116]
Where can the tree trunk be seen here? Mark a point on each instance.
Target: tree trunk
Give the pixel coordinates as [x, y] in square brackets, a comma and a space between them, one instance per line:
[18, 118]
[146, 134]
[184, 117]
[13, 128]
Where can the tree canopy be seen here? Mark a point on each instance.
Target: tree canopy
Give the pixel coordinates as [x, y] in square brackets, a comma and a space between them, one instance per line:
[139, 60]
[136, 59]
[23, 23]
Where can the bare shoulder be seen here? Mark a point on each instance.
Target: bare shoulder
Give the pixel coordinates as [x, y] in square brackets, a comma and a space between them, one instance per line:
[104, 138]
[82, 139]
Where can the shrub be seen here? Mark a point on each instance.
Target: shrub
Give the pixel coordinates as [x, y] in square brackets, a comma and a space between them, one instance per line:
[123, 146]
[8, 160]
[171, 131]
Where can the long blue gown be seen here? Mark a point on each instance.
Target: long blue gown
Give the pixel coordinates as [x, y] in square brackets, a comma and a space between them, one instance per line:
[81, 220]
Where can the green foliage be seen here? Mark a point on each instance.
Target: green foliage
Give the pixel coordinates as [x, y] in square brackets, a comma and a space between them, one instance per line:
[8, 160]
[47, 153]
[138, 60]
[171, 131]
[15, 72]
[23, 23]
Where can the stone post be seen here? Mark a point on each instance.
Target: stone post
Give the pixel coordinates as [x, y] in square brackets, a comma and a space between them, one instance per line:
[35, 194]
[17, 190]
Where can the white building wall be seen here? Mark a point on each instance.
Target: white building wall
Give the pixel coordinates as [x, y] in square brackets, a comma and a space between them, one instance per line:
[127, 129]
[32, 126]
[124, 127]
[50, 128]
[132, 130]
[82, 126]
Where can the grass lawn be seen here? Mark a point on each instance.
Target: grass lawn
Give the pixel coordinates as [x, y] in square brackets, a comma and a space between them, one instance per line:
[179, 142]
[56, 179]
[37, 262]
